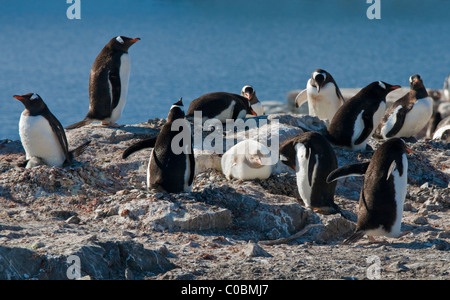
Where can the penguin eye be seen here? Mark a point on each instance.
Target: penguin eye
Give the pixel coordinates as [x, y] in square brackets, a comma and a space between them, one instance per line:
[120, 40]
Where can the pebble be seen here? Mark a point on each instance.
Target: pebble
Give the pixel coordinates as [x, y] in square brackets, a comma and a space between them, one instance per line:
[73, 220]
[421, 220]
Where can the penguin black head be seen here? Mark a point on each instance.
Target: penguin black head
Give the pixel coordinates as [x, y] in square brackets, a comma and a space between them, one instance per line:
[34, 105]
[381, 88]
[319, 78]
[248, 92]
[416, 82]
[176, 111]
[288, 153]
[122, 43]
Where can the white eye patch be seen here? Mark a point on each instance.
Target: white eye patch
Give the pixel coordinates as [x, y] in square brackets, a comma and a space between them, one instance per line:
[382, 84]
[317, 73]
[119, 39]
[34, 97]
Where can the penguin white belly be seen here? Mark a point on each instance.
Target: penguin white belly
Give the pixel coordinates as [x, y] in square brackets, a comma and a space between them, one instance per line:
[301, 171]
[124, 80]
[417, 118]
[148, 169]
[357, 130]
[224, 114]
[401, 184]
[325, 104]
[39, 140]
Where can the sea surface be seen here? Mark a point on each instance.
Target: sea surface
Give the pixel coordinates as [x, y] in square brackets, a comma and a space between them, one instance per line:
[189, 48]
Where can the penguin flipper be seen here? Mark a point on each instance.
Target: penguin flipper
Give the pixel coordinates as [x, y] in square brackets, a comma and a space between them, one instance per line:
[311, 164]
[301, 98]
[114, 80]
[368, 127]
[79, 124]
[400, 116]
[348, 170]
[79, 150]
[354, 237]
[147, 143]
[58, 129]
[191, 163]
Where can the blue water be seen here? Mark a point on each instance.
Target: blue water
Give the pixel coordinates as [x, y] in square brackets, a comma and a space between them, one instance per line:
[189, 48]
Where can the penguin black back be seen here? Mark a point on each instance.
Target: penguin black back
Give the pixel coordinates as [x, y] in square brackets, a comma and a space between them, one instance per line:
[214, 104]
[344, 129]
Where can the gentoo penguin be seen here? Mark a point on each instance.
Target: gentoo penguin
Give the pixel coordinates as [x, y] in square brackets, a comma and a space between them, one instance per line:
[249, 93]
[409, 114]
[221, 106]
[247, 160]
[312, 158]
[443, 130]
[108, 83]
[356, 120]
[323, 95]
[167, 171]
[383, 193]
[43, 136]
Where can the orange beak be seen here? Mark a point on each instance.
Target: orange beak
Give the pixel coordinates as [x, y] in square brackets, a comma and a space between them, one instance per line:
[395, 87]
[18, 97]
[409, 151]
[135, 40]
[253, 113]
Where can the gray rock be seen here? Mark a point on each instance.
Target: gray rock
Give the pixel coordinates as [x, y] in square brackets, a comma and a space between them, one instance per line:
[100, 260]
[254, 250]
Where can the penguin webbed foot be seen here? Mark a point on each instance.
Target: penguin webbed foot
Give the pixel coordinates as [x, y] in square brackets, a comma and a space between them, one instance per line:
[111, 124]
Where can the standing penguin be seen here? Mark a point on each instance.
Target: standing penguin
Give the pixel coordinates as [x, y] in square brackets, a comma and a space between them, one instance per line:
[221, 106]
[312, 158]
[383, 193]
[167, 171]
[108, 83]
[409, 114]
[356, 120]
[247, 160]
[323, 95]
[43, 136]
[249, 93]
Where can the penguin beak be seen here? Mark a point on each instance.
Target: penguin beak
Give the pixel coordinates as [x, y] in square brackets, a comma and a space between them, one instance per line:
[135, 40]
[19, 97]
[395, 87]
[253, 113]
[409, 151]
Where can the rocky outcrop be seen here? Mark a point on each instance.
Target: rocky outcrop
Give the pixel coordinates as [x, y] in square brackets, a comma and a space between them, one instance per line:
[100, 211]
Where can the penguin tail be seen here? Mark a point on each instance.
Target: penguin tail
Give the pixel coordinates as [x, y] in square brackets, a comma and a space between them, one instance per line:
[147, 143]
[79, 124]
[79, 150]
[354, 237]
